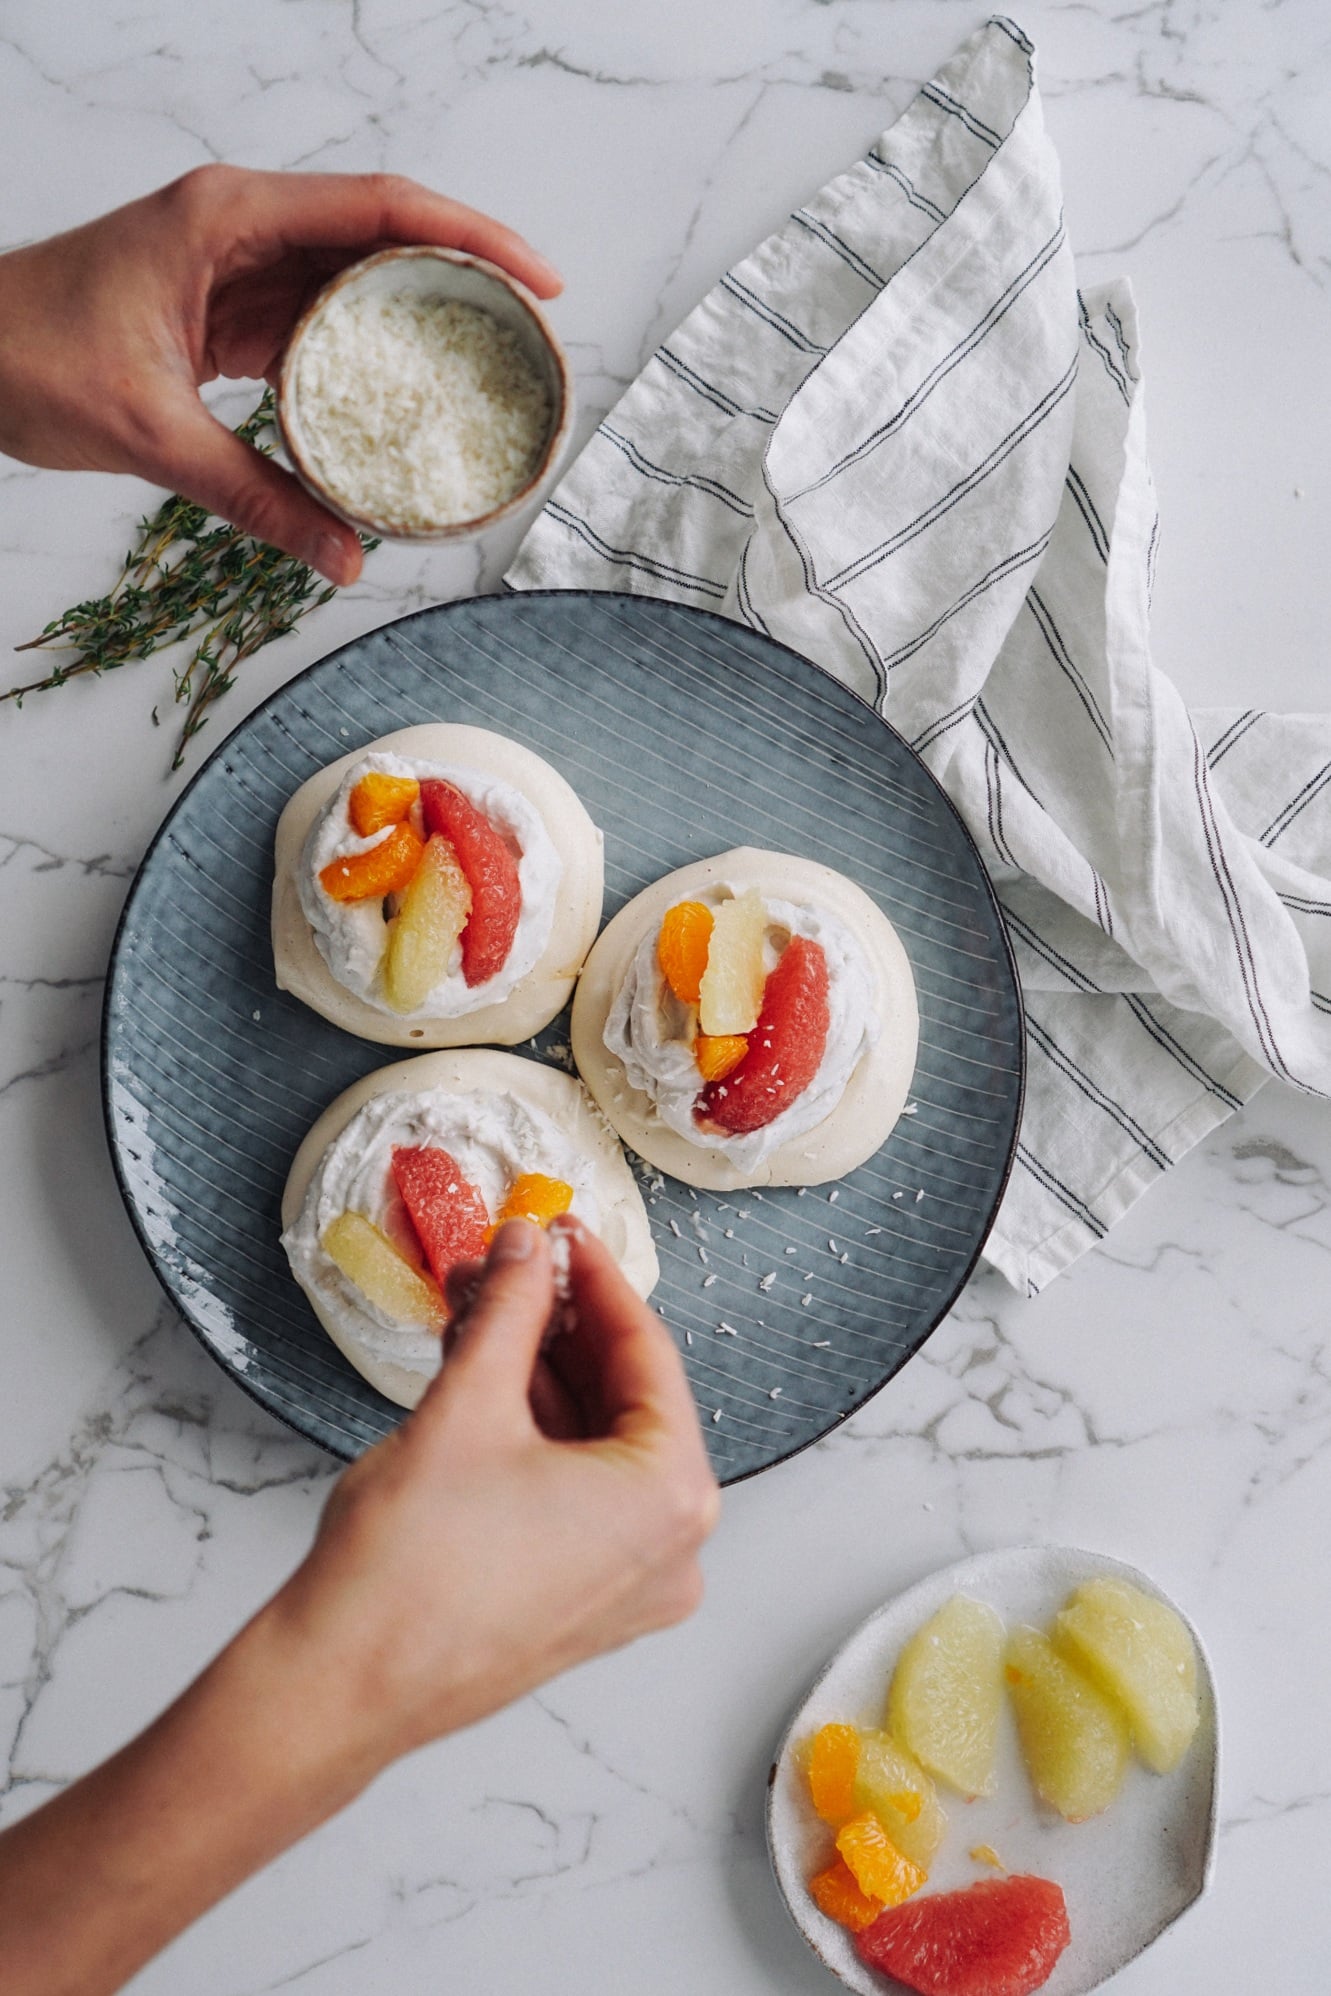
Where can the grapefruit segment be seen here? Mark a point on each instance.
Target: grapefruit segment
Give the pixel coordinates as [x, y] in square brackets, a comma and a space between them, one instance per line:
[447, 1212]
[492, 874]
[786, 1046]
[998, 1937]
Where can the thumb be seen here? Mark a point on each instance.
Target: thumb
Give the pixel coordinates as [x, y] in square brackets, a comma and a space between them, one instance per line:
[498, 1334]
[206, 462]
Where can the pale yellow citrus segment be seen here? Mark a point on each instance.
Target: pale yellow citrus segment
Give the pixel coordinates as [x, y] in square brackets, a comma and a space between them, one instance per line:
[731, 994]
[368, 1259]
[880, 1869]
[1140, 1652]
[1074, 1740]
[424, 933]
[891, 1784]
[946, 1694]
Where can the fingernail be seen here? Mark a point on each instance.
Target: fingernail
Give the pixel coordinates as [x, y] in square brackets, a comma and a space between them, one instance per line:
[565, 1223]
[330, 558]
[515, 1241]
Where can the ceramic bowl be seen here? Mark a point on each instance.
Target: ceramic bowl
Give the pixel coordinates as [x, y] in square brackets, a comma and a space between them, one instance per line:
[422, 270]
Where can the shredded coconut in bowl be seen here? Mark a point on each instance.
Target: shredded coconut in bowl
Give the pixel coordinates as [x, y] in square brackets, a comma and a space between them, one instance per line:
[417, 411]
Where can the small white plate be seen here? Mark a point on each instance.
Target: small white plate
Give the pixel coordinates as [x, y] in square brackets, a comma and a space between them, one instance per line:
[1127, 1874]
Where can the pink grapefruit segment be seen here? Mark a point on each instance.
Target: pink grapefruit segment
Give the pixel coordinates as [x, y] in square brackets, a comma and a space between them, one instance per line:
[998, 1937]
[447, 1211]
[492, 874]
[786, 1047]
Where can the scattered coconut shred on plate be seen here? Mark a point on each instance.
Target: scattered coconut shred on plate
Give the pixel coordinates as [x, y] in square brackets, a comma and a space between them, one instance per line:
[419, 412]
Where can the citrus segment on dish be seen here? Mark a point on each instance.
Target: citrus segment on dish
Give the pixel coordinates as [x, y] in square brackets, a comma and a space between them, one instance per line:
[448, 1213]
[366, 1256]
[382, 869]
[379, 800]
[880, 1870]
[491, 871]
[1074, 1740]
[836, 1892]
[424, 932]
[682, 948]
[998, 1937]
[1140, 1652]
[785, 1048]
[830, 1763]
[891, 1782]
[946, 1694]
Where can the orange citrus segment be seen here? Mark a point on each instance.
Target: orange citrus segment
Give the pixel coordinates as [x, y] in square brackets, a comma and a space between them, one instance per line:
[682, 946]
[836, 1894]
[384, 869]
[533, 1196]
[718, 1054]
[880, 1869]
[833, 1755]
[367, 1258]
[379, 800]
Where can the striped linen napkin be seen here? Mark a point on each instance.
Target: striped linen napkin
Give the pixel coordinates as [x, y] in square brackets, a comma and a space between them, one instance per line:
[898, 439]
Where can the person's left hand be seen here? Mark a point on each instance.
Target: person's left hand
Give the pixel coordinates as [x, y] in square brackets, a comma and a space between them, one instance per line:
[107, 332]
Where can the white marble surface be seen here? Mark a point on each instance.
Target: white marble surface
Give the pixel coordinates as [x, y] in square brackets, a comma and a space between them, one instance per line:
[1168, 1401]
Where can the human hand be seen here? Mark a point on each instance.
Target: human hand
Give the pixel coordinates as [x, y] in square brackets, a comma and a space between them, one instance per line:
[107, 332]
[535, 1510]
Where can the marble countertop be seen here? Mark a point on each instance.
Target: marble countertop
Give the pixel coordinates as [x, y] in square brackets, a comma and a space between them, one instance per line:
[1167, 1401]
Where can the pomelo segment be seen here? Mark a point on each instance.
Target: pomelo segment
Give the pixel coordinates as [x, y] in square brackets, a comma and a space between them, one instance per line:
[730, 994]
[947, 1692]
[384, 869]
[1140, 1652]
[492, 873]
[682, 946]
[890, 1782]
[998, 1937]
[368, 1259]
[786, 1045]
[379, 800]
[447, 1212]
[1074, 1740]
[424, 932]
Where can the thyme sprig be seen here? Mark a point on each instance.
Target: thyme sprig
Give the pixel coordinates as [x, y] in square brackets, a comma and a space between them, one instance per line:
[188, 575]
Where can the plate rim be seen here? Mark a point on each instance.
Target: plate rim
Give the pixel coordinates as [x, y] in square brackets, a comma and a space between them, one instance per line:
[1006, 956]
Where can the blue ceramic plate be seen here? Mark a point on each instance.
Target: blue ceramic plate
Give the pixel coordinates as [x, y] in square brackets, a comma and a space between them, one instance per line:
[685, 735]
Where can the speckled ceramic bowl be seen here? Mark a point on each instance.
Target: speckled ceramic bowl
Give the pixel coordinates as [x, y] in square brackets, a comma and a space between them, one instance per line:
[425, 271]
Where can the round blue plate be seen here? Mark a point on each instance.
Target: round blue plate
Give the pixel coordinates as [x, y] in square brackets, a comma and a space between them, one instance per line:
[684, 734]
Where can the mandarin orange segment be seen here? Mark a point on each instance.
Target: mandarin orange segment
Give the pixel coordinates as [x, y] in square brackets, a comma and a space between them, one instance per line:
[880, 1869]
[832, 1758]
[384, 869]
[533, 1196]
[379, 800]
[682, 946]
[719, 1054]
[836, 1894]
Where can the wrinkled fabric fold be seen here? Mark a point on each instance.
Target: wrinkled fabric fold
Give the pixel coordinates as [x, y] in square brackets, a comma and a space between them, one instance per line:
[898, 439]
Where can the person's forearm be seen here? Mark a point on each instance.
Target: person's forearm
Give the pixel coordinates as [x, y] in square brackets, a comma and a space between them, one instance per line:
[247, 1761]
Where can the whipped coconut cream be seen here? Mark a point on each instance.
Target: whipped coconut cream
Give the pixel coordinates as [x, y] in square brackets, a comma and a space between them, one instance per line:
[492, 1139]
[649, 1030]
[351, 936]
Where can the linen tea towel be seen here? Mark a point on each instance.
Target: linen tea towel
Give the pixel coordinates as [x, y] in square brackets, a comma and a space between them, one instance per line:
[897, 439]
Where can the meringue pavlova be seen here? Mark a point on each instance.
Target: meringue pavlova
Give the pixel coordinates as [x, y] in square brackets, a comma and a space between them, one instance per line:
[749, 1020]
[412, 1169]
[440, 887]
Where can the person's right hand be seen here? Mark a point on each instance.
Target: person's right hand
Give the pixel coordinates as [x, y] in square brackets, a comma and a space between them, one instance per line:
[532, 1512]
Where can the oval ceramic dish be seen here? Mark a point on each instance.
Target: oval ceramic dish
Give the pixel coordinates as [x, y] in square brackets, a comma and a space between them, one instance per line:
[1127, 1874]
[684, 734]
